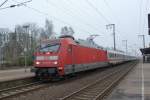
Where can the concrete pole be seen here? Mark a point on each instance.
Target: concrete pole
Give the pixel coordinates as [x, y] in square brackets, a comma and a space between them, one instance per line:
[143, 38]
[114, 33]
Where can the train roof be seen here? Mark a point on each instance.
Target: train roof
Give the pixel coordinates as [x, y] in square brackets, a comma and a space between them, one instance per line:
[116, 51]
[119, 52]
[88, 43]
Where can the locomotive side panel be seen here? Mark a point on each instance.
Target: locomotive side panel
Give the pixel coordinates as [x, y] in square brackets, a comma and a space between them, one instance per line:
[84, 58]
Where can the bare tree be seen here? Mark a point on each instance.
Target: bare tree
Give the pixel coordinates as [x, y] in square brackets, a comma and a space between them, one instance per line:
[64, 30]
[67, 31]
[49, 28]
[12, 49]
[71, 31]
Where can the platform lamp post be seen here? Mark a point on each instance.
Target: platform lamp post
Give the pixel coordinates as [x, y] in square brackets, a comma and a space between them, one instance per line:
[25, 48]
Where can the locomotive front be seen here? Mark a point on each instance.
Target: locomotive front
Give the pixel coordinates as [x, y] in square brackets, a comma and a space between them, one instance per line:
[47, 60]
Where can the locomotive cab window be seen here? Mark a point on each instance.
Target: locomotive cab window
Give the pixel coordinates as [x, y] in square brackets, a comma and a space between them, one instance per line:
[50, 48]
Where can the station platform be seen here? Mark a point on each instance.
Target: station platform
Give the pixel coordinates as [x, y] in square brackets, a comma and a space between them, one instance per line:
[13, 74]
[135, 86]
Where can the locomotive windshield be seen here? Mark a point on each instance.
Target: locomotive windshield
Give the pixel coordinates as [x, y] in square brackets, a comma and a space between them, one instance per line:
[50, 48]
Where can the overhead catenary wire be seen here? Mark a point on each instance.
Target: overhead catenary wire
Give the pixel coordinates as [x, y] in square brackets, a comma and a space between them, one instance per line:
[66, 11]
[85, 12]
[147, 5]
[3, 3]
[90, 4]
[144, 24]
[116, 18]
[57, 19]
[99, 13]
[140, 15]
[78, 19]
[111, 11]
[97, 10]
[15, 5]
[97, 26]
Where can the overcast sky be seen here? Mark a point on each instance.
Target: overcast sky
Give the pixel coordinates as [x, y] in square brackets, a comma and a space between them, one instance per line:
[129, 16]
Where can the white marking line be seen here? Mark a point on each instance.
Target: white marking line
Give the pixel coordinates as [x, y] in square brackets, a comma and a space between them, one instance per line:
[143, 98]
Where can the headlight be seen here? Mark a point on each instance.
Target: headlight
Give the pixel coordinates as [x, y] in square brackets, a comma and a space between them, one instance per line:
[55, 62]
[37, 63]
[53, 57]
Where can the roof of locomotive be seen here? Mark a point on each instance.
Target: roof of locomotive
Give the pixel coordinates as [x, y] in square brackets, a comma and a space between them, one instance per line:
[86, 43]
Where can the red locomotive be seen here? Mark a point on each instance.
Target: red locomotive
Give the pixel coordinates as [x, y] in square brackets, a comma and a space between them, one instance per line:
[63, 56]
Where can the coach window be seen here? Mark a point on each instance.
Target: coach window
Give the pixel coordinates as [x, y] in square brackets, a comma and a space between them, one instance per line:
[110, 55]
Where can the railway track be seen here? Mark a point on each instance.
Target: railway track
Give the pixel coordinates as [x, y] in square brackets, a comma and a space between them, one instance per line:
[16, 82]
[17, 90]
[87, 93]
[102, 87]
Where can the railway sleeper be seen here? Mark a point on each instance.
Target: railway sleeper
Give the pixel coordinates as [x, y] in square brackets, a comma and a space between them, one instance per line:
[82, 98]
[86, 95]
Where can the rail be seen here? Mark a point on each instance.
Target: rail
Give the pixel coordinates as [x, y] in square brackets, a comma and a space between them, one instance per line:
[102, 87]
[13, 91]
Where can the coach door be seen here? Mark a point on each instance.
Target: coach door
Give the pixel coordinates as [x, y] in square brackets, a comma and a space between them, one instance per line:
[70, 67]
[72, 58]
